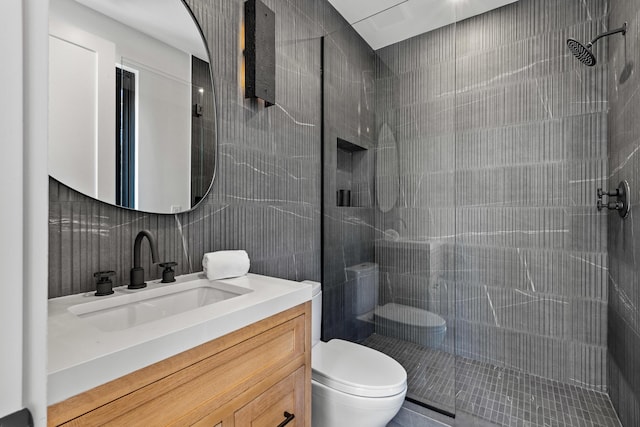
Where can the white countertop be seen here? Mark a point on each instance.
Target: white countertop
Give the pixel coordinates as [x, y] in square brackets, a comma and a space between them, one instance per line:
[81, 357]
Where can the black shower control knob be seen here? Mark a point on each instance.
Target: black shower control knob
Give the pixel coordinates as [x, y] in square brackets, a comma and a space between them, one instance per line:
[622, 204]
[614, 193]
[614, 206]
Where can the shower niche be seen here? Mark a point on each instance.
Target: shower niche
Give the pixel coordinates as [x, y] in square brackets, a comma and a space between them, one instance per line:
[353, 174]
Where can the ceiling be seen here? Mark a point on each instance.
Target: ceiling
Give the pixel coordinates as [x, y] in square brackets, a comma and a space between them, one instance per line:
[385, 22]
[166, 20]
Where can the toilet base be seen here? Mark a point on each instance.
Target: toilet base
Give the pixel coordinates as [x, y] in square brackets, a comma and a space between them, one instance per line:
[333, 408]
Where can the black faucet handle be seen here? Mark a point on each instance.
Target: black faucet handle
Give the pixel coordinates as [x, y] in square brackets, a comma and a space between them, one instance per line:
[168, 264]
[103, 276]
[104, 285]
[168, 275]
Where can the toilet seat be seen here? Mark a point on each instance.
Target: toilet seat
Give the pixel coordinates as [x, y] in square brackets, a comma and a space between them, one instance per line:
[357, 370]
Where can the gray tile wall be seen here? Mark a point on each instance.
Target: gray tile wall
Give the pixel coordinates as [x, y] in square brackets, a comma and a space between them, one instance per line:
[502, 138]
[266, 196]
[623, 245]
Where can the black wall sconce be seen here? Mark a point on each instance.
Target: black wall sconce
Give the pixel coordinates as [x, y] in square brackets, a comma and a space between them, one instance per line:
[260, 52]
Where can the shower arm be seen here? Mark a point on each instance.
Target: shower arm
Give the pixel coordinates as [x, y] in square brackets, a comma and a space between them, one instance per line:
[622, 30]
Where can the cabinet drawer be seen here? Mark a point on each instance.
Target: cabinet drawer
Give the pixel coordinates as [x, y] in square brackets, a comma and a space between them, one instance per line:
[280, 403]
[180, 398]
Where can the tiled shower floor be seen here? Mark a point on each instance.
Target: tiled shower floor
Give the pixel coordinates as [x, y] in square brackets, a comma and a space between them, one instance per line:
[502, 396]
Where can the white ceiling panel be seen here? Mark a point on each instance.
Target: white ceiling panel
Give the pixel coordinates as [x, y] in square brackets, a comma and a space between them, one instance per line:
[354, 11]
[385, 22]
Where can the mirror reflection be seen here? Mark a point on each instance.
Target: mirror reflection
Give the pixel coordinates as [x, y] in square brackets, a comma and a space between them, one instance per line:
[131, 109]
[387, 179]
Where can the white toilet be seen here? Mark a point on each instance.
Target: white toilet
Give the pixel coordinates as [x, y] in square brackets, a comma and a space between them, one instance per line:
[352, 385]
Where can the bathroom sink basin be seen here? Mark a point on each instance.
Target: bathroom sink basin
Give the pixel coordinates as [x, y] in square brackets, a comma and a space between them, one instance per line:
[93, 340]
[124, 311]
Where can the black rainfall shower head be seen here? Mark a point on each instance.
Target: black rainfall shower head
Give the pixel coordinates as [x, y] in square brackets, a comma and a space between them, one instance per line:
[583, 53]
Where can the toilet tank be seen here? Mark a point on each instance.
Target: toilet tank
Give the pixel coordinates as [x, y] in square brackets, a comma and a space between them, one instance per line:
[316, 311]
[361, 288]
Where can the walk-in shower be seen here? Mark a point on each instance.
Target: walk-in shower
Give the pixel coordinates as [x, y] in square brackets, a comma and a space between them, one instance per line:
[491, 284]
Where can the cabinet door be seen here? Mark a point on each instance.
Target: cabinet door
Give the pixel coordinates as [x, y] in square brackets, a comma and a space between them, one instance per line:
[281, 405]
[227, 422]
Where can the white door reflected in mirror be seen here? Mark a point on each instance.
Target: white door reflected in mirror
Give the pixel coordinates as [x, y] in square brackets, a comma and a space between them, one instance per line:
[132, 119]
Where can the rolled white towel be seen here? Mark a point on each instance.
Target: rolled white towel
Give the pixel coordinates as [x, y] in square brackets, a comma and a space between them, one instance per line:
[225, 264]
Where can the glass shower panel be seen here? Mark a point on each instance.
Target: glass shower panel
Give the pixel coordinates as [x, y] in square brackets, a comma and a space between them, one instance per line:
[530, 252]
[349, 274]
[460, 174]
[415, 213]
[389, 203]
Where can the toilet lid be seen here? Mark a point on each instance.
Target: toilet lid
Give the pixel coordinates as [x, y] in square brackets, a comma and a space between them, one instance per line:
[356, 369]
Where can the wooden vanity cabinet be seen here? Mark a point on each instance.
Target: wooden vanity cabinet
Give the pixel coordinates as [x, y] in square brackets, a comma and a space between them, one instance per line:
[252, 376]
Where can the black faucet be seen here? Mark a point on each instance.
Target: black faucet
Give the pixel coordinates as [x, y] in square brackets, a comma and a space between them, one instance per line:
[137, 273]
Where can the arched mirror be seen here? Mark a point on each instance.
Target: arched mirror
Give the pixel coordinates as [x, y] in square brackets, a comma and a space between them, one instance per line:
[387, 185]
[132, 117]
